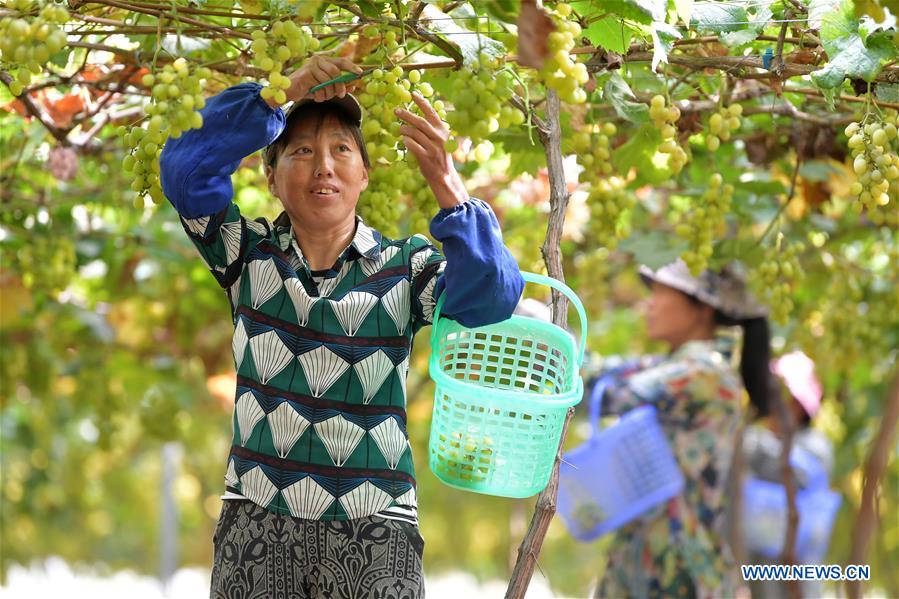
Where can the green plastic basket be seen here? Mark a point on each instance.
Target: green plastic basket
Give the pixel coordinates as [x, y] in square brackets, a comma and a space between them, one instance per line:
[502, 393]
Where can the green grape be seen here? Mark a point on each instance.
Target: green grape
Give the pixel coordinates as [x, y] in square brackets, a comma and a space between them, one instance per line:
[700, 224]
[171, 114]
[284, 42]
[778, 276]
[873, 147]
[846, 324]
[610, 205]
[665, 117]
[559, 71]
[384, 92]
[593, 150]
[722, 125]
[28, 40]
[481, 105]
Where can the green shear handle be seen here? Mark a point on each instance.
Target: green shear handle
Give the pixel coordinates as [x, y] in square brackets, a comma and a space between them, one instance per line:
[345, 78]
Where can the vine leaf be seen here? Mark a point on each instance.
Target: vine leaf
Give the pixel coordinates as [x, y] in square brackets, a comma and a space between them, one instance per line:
[640, 11]
[654, 249]
[663, 37]
[618, 92]
[684, 10]
[639, 153]
[715, 17]
[471, 44]
[887, 92]
[610, 34]
[849, 55]
[758, 17]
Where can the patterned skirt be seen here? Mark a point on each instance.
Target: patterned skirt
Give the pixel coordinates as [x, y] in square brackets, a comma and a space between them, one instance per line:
[260, 554]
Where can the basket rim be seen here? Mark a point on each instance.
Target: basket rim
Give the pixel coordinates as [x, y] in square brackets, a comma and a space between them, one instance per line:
[549, 400]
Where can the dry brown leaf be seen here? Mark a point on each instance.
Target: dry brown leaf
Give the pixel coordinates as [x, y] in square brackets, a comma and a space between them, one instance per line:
[534, 27]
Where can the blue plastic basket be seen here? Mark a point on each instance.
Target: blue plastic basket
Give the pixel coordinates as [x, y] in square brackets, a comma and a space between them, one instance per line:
[765, 513]
[618, 474]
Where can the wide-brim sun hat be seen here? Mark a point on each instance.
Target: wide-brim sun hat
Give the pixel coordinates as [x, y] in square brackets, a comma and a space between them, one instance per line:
[797, 371]
[726, 291]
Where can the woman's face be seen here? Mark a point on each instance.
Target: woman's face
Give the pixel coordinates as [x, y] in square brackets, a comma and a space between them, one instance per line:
[319, 174]
[674, 318]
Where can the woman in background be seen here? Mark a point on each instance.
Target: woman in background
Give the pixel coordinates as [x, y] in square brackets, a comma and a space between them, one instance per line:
[674, 550]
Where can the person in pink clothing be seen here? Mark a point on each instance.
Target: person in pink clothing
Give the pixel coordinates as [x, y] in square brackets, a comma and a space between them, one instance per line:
[811, 454]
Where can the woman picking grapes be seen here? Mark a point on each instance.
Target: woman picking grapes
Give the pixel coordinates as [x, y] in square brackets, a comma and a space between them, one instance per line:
[675, 549]
[320, 485]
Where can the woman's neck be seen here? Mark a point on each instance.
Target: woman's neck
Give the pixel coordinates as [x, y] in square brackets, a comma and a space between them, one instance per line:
[321, 247]
[702, 335]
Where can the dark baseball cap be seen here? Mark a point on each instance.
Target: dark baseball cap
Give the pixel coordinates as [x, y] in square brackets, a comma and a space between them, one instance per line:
[348, 104]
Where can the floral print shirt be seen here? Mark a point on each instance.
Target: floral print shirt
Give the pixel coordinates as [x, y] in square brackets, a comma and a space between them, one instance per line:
[674, 550]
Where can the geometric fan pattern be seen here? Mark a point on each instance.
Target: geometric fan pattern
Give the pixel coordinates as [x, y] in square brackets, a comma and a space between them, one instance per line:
[321, 357]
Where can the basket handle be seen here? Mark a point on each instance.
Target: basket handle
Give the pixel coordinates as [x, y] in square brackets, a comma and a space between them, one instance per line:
[595, 407]
[531, 277]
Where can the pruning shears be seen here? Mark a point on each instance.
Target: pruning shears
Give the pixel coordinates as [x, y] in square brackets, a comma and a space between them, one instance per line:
[345, 78]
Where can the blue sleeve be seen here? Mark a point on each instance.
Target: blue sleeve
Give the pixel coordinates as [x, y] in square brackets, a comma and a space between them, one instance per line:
[196, 168]
[481, 278]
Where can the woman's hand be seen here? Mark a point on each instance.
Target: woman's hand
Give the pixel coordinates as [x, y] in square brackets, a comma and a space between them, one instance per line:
[425, 138]
[319, 69]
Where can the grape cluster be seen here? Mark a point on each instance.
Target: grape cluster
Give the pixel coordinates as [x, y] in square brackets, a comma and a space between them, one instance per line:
[480, 106]
[593, 151]
[610, 204]
[559, 71]
[285, 41]
[722, 125]
[388, 188]
[873, 147]
[664, 118]
[777, 276]
[176, 98]
[27, 43]
[848, 322]
[699, 224]
[385, 91]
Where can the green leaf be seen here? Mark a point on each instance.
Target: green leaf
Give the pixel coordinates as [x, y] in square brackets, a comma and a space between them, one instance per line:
[838, 29]
[618, 92]
[611, 34]
[746, 251]
[854, 61]
[684, 10]
[372, 8]
[654, 249]
[869, 27]
[663, 37]
[887, 92]
[717, 17]
[638, 153]
[819, 9]
[816, 170]
[758, 19]
[471, 45]
[641, 11]
[849, 56]
[524, 156]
